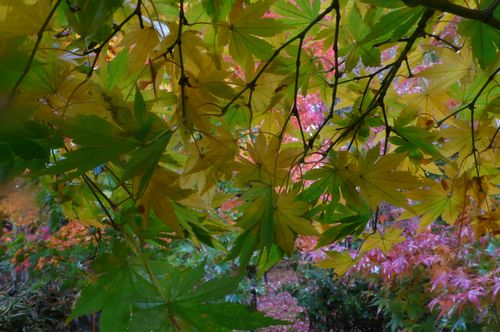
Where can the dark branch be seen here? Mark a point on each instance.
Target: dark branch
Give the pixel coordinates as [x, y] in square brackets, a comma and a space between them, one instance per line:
[336, 78]
[378, 99]
[183, 80]
[486, 16]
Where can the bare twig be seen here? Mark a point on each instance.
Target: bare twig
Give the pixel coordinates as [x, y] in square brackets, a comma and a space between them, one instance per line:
[442, 40]
[472, 104]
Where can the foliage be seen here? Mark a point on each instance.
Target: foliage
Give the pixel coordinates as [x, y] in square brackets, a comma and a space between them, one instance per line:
[50, 249]
[43, 309]
[335, 305]
[148, 117]
[427, 283]
[42, 262]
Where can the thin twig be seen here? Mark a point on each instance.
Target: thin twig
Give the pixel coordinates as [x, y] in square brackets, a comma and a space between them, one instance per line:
[472, 104]
[99, 201]
[442, 40]
[378, 99]
[336, 77]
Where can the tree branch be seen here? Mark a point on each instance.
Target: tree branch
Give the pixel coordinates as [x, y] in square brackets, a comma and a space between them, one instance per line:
[336, 77]
[485, 16]
[137, 12]
[378, 99]
[183, 80]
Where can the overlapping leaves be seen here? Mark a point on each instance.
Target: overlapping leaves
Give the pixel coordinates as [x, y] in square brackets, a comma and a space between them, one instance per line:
[166, 299]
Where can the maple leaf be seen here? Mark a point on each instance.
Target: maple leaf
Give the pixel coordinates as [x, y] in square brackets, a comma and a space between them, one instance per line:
[273, 217]
[379, 181]
[20, 18]
[453, 67]
[181, 295]
[488, 222]
[333, 178]
[300, 13]
[245, 29]
[269, 162]
[212, 158]
[437, 199]
[384, 241]
[241, 100]
[81, 209]
[289, 221]
[458, 138]
[161, 195]
[100, 141]
[340, 262]
[347, 221]
[141, 44]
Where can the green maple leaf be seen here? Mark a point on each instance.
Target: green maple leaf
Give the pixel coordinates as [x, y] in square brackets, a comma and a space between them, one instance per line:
[99, 142]
[246, 29]
[177, 300]
[271, 218]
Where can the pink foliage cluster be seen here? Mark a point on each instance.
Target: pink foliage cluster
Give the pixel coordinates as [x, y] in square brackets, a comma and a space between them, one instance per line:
[461, 271]
[312, 111]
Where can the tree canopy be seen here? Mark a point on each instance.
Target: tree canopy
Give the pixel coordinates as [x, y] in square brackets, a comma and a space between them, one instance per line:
[158, 119]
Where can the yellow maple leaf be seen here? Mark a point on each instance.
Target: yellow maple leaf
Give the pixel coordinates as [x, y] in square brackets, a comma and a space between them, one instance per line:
[288, 220]
[436, 199]
[488, 222]
[141, 44]
[379, 180]
[17, 18]
[458, 138]
[340, 262]
[211, 160]
[453, 67]
[82, 209]
[384, 241]
[269, 162]
[161, 193]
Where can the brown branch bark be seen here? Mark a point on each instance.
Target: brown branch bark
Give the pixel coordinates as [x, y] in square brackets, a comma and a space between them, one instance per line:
[485, 16]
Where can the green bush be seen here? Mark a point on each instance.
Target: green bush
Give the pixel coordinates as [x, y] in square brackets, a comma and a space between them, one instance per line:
[335, 304]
